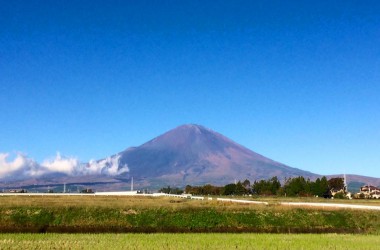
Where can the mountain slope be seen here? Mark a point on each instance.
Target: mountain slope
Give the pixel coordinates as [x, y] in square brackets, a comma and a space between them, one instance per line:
[193, 154]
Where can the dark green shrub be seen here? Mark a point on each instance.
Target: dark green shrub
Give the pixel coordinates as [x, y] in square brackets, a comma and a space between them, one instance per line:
[340, 195]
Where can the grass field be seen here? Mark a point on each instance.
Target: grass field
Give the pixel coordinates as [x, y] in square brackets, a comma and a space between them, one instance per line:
[93, 214]
[188, 241]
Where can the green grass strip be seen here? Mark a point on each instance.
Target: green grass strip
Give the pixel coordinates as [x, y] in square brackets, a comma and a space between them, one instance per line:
[188, 241]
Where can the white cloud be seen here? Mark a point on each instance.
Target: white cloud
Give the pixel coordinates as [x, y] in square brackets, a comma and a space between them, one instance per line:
[61, 165]
[21, 167]
[18, 167]
[109, 166]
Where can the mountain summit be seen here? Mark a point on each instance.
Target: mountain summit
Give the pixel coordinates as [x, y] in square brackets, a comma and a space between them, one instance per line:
[193, 154]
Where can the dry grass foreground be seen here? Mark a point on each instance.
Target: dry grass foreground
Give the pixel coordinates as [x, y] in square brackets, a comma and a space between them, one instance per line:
[88, 200]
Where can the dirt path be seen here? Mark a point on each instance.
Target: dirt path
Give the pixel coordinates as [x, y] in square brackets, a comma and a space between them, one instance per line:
[329, 205]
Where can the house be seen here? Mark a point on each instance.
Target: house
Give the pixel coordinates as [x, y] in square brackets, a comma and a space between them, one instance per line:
[369, 192]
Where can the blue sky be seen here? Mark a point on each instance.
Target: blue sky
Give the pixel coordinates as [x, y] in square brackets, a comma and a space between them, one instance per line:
[296, 81]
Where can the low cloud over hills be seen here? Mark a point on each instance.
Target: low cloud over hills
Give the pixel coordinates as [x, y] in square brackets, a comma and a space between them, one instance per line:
[22, 167]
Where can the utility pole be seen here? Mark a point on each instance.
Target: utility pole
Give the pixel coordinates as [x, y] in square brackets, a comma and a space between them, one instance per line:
[345, 188]
[132, 184]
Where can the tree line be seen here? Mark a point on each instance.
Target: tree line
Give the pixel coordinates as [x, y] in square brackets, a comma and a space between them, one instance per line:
[295, 186]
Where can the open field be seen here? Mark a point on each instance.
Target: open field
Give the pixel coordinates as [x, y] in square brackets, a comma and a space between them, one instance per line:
[146, 201]
[86, 214]
[188, 241]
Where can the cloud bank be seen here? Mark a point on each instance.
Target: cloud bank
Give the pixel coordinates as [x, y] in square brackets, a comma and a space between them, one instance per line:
[21, 166]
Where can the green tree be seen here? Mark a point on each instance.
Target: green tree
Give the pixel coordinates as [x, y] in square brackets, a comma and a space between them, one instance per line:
[229, 189]
[275, 185]
[336, 183]
[240, 189]
[188, 189]
[323, 186]
[266, 187]
[165, 190]
[296, 186]
[169, 190]
[319, 187]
